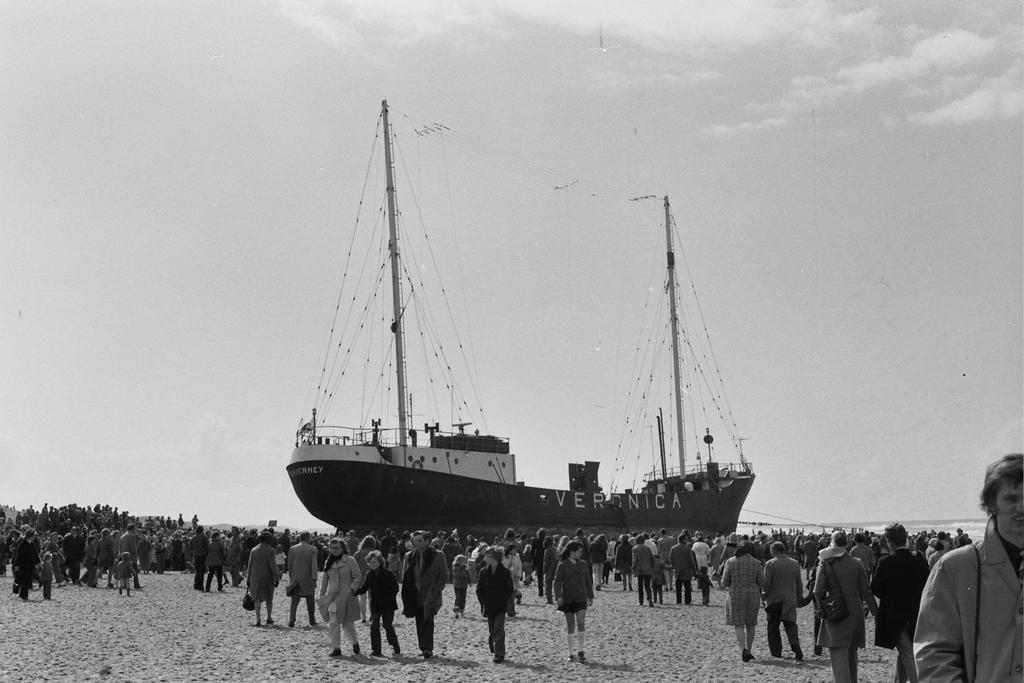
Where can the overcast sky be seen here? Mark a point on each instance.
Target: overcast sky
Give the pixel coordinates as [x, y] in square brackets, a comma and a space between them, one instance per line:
[179, 181]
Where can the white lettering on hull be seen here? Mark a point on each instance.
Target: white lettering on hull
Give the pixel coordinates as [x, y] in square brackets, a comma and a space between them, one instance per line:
[306, 470]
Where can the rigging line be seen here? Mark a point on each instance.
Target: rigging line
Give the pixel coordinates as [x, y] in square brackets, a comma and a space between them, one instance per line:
[334, 380]
[444, 291]
[787, 519]
[516, 163]
[707, 335]
[355, 228]
[356, 289]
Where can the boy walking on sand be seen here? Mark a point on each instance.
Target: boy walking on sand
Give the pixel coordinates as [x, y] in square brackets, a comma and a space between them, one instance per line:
[46, 574]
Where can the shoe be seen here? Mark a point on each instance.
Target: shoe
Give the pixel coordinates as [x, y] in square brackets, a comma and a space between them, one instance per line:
[257, 624]
[270, 622]
[582, 658]
[335, 653]
[312, 623]
[572, 658]
[745, 656]
[291, 624]
[798, 655]
[376, 653]
[355, 648]
[498, 660]
[817, 650]
[427, 654]
[397, 650]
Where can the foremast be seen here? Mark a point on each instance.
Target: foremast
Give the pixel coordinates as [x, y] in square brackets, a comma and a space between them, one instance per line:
[674, 317]
[396, 283]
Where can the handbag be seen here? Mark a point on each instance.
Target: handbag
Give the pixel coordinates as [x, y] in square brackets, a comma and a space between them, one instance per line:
[248, 604]
[291, 590]
[833, 608]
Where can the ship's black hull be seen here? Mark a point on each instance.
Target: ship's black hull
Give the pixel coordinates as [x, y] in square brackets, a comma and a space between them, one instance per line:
[370, 496]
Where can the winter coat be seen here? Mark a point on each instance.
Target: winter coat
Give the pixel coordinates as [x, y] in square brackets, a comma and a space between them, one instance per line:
[383, 589]
[573, 582]
[460, 576]
[898, 584]
[836, 566]
[341, 581]
[302, 569]
[26, 555]
[550, 561]
[783, 585]
[643, 560]
[946, 645]
[424, 581]
[216, 553]
[683, 561]
[743, 577]
[262, 575]
[494, 588]
[105, 551]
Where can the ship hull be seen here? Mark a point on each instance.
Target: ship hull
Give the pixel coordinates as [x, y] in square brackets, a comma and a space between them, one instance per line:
[366, 496]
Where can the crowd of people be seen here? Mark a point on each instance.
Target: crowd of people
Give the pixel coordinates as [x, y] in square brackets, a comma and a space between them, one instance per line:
[925, 590]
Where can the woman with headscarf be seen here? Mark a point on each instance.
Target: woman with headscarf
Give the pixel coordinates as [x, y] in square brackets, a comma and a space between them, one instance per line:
[262, 577]
[743, 577]
[338, 603]
[840, 573]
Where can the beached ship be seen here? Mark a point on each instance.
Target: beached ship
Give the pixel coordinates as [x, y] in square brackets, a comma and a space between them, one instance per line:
[372, 477]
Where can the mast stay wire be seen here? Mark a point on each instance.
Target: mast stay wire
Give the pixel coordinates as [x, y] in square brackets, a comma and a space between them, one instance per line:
[444, 292]
[348, 256]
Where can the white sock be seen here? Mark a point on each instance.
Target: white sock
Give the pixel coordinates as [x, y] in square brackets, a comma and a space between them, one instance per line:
[579, 640]
[572, 643]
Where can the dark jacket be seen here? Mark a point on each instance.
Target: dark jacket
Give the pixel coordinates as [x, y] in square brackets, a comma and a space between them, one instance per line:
[26, 555]
[898, 584]
[573, 582]
[424, 581]
[494, 588]
[383, 587]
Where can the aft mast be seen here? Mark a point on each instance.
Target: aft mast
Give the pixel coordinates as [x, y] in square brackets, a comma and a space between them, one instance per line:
[396, 284]
[675, 341]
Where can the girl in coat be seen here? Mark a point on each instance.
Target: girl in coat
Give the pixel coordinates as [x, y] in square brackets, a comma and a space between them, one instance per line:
[382, 587]
[624, 561]
[338, 602]
[460, 583]
[574, 592]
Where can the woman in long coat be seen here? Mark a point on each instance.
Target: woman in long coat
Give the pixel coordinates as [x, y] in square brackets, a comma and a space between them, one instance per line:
[338, 603]
[744, 577]
[624, 561]
[838, 571]
[262, 576]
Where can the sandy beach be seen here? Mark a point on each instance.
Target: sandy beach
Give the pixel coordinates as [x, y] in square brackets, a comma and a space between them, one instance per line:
[169, 632]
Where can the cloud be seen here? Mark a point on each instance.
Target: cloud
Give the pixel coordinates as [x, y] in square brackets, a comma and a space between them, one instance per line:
[935, 54]
[697, 27]
[724, 131]
[997, 98]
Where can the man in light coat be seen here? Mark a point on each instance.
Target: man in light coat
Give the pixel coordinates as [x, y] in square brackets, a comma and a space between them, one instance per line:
[971, 617]
[302, 572]
[782, 591]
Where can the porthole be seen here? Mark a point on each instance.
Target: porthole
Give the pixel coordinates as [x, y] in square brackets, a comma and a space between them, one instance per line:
[502, 464]
[434, 458]
[423, 458]
[456, 461]
[410, 458]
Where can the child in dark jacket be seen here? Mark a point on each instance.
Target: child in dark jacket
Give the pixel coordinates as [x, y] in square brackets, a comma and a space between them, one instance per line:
[494, 589]
[460, 583]
[383, 587]
[46, 574]
[124, 574]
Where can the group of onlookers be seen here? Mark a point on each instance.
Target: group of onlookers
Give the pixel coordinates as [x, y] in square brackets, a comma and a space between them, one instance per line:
[952, 613]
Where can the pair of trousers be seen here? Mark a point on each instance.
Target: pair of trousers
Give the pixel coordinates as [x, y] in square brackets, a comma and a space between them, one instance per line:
[75, 570]
[236, 576]
[200, 564]
[460, 600]
[496, 634]
[310, 607]
[425, 629]
[386, 619]
[684, 590]
[47, 586]
[775, 638]
[24, 580]
[906, 669]
[548, 582]
[643, 583]
[217, 571]
[540, 580]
